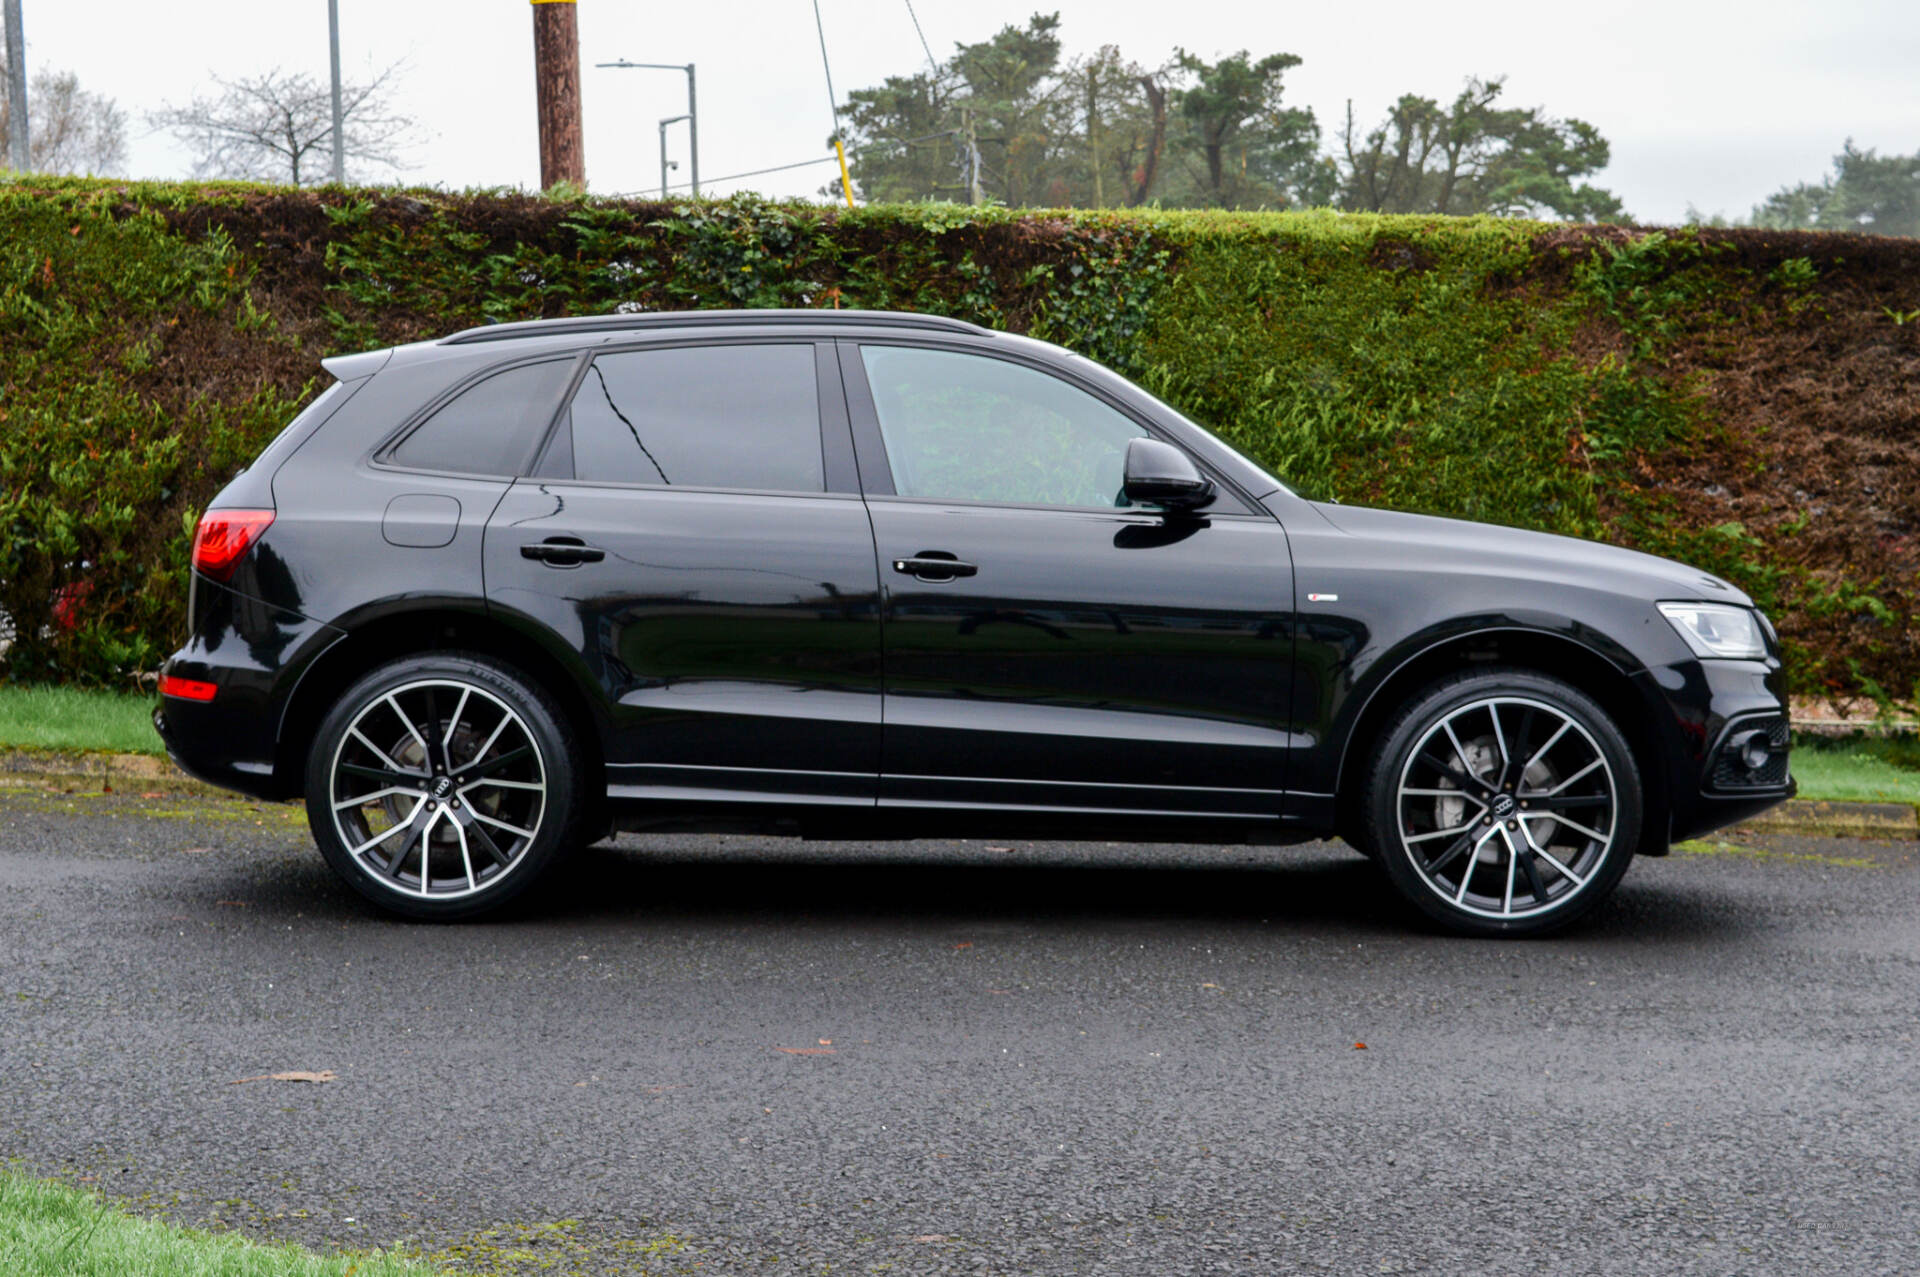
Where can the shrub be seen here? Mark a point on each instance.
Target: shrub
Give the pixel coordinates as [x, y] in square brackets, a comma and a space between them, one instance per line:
[1738, 399]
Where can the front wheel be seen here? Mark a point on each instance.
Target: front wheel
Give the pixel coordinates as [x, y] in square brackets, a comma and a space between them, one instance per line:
[440, 786]
[1503, 802]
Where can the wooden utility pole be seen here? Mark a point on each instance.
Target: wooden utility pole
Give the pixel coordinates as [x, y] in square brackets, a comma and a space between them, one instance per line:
[556, 74]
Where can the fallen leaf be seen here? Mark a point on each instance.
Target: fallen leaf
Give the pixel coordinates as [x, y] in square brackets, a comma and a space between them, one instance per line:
[1209, 986]
[292, 1075]
[964, 944]
[805, 1050]
[932, 1237]
[154, 793]
[826, 1041]
[1359, 1046]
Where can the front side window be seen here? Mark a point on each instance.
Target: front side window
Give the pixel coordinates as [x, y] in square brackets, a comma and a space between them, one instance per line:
[701, 417]
[491, 426]
[962, 427]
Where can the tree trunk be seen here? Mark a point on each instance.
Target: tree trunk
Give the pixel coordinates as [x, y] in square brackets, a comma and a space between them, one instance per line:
[1451, 176]
[1093, 131]
[1150, 167]
[556, 74]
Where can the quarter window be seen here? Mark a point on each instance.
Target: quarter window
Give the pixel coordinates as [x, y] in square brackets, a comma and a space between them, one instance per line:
[701, 417]
[964, 427]
[491, 426]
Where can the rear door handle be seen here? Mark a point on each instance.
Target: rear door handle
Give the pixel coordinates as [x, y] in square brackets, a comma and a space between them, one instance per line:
[934, 565]
[563, 552]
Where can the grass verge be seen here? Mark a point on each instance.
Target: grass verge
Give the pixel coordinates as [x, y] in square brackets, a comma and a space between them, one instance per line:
[76, 718]
[1857, 772]
[51, 1230]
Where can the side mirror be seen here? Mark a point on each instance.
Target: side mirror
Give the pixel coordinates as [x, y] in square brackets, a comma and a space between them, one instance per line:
[1160, 474]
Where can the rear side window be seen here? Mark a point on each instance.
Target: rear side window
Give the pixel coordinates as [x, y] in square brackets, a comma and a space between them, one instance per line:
[701, 417]
[491, 426]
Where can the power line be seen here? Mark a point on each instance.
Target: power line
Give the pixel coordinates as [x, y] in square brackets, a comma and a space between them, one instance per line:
[778, 168]
[924, 46]
[824, 159]
[833, 100]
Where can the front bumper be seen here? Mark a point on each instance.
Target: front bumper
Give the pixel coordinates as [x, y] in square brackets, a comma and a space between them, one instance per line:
[1708, 705]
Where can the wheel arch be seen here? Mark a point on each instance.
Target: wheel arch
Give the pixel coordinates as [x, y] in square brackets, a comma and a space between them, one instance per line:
[1556, 655]
[442, 627]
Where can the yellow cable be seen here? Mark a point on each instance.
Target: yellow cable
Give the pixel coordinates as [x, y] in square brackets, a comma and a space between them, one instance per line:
[846, 183]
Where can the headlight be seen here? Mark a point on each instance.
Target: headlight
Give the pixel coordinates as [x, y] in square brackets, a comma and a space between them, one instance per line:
[1718, 630]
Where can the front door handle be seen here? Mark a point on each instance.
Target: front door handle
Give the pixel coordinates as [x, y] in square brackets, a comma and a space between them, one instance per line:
[934, 565]
[563, 552]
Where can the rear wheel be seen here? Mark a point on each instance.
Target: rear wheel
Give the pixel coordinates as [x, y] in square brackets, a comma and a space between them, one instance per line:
[442, 785]
[1503, 802]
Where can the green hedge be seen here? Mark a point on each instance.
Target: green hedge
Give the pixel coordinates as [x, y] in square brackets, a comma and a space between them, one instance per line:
[1744, 400]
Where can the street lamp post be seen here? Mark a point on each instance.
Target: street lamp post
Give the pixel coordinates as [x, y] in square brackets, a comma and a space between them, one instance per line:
[664, 166]
[692, 117]
[19, 157]
[339, 122]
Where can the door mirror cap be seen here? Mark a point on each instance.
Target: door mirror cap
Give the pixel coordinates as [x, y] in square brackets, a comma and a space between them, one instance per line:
[1160, 474]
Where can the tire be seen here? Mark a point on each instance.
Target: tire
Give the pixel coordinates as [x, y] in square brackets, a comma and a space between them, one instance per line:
[465, 766]
[1502, 802]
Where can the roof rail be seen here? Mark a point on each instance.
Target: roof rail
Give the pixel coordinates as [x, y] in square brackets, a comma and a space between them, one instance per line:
[707, 319]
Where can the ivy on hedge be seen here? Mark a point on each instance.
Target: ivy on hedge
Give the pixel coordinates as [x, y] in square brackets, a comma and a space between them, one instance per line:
[154, 336]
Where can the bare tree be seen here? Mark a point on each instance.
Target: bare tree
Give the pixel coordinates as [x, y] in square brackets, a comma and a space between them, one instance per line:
[73, 130]
[277, 127]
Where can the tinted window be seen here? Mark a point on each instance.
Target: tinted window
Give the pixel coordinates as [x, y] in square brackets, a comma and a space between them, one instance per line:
[701, 417]
[970, 428]
[491, 426]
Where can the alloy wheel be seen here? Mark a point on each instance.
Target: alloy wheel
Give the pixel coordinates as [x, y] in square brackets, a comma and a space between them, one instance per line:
[1507, 808]
[437, 789]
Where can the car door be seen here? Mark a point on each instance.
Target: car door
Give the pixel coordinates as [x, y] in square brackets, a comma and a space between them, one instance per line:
[694, 530]
[1047, 645]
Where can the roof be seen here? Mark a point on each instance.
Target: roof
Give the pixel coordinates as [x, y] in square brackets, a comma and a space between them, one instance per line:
[710, 319]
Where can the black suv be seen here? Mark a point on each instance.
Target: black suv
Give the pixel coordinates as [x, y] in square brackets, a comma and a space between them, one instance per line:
[885, 575]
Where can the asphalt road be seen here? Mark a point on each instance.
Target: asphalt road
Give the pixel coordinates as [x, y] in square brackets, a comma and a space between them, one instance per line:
[770, 1057]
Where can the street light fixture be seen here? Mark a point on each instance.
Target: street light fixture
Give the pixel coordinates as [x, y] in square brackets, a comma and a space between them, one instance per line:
[692, 117]
[664, 166]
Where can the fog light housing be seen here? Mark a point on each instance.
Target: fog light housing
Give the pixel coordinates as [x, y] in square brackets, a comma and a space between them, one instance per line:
[1753, 749]
[1751, 755]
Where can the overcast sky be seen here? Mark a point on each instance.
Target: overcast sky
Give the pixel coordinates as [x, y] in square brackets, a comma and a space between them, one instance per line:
[1705, 102]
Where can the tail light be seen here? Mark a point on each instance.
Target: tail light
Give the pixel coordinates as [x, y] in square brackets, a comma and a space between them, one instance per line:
[223, 536]
[187, 689]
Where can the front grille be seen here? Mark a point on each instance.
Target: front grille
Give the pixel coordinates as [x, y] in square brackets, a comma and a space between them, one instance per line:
[1729, 773]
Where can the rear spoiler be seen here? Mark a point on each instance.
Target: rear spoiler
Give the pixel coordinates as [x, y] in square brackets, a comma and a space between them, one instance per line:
[354, 367]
